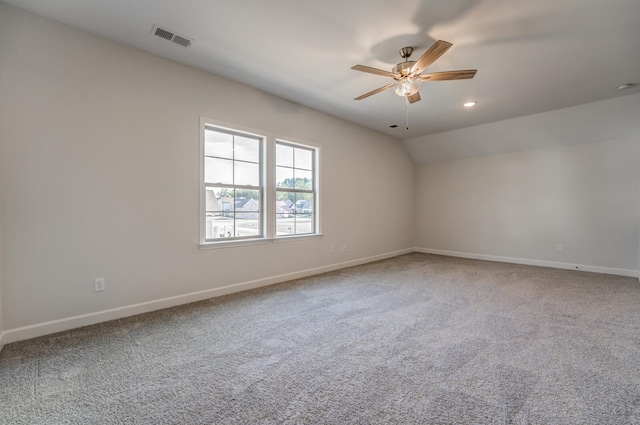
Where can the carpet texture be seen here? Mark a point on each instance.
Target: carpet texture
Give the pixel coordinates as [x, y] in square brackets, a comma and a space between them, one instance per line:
[416, 339]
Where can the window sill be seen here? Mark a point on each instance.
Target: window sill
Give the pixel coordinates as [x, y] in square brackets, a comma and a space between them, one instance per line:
[296, 238]
[249, 242]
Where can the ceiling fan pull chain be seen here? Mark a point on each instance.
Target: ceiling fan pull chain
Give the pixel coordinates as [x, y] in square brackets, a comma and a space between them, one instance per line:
[407, 109]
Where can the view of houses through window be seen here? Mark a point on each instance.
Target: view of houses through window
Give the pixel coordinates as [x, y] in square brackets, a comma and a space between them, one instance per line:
[295, 189]
[233, 184]
[235, 191]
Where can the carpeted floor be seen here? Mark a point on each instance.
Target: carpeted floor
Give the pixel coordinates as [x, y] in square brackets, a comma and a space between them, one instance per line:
[416, 339]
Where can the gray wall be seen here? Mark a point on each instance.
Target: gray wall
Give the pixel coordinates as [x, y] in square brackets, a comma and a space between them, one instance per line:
[100, 165]
[523, 204]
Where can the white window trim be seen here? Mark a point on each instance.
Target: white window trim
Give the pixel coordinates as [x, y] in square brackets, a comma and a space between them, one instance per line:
[265, 177]
[317, 177]
[269, 187]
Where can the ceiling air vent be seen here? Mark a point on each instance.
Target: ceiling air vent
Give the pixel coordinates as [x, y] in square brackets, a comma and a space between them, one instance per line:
[167, 34]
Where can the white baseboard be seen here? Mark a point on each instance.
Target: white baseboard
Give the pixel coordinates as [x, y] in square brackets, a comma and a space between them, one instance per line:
[541, 263]
[2, 342]
[40, 329]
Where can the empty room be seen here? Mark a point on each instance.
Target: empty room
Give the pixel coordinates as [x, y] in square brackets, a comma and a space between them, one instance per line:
[319, 212]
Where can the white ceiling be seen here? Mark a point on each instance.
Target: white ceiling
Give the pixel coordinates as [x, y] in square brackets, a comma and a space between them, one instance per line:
[531, 55]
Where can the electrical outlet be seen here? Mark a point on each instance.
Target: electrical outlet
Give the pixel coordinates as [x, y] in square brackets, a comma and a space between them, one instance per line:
[560, 248]
[99, 284]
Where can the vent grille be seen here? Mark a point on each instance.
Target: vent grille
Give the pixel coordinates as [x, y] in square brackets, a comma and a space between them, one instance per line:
[181, 40]
[167, 34]
[164, 34]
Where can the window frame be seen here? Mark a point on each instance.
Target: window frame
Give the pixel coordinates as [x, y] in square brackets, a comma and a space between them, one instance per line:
[315, 190]
[233, 129]
[268, 192]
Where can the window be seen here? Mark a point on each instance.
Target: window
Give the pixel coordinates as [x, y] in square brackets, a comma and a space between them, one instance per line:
[233, 184]
[295, 189]
[255, 187]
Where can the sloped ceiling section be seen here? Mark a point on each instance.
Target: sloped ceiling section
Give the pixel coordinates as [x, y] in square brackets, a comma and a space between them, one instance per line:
[531, 56]
[604, 120]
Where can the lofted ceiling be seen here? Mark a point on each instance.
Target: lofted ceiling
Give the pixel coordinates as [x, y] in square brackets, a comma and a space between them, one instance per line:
[531, 56]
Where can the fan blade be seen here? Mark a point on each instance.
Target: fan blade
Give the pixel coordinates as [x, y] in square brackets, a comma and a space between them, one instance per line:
[375, 71]
[462, 74]
[376, 91]
[413, 98]
[430, 56]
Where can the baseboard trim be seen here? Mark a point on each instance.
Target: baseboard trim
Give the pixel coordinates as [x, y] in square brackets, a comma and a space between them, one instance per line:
[2, 342]
[526, 261]
[53, 326]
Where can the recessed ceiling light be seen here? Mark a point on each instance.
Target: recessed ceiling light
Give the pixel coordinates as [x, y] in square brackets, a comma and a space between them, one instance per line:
[625, 86]
[470, 104]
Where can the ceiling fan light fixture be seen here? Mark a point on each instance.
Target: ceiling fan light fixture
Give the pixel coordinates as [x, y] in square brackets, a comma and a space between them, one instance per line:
[407, 86]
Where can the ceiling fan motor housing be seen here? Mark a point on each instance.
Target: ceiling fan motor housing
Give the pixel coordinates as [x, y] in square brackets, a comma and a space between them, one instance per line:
[403, 68]
[405, 52]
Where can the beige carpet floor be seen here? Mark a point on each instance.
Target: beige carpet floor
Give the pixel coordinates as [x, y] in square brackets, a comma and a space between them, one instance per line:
[416, 339]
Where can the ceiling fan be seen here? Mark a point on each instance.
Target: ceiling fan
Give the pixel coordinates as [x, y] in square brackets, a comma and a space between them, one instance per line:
[408, 74]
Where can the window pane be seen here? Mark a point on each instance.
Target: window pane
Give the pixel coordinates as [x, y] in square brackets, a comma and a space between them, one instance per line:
[247, 149]
[218, 170]
[286, 196]
[307, 198]
[284, 203]
[218, 144]
[303, 179]
[305, 224]
[247, 198]
[220, 199]
[219, 226]
[304, 159]
[284, 155]
[247, 203]
[211, 200]
[304, 203]
[284, 177]
[247, 213]
[246, 225]
[285, 225]
[247, 174]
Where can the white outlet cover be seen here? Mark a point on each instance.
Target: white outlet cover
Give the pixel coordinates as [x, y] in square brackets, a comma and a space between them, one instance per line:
[99, 284]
